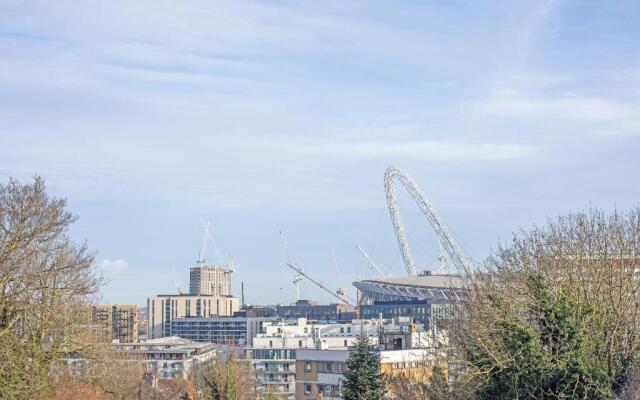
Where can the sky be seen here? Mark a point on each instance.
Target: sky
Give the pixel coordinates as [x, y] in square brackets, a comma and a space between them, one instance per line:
[152, 116]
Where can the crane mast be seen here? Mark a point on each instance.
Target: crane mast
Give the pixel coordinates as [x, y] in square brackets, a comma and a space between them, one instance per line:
[297, 279]
[205, 238]
[341, 291]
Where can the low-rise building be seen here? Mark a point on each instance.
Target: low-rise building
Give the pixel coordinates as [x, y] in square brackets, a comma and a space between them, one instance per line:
[166, 358]
[322, 371]
[235, 331]
[273, 353]
[163, 309]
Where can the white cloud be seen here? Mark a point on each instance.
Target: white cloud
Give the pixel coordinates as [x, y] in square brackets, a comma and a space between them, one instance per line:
[113, 265]
[591, 115]
[427, 150]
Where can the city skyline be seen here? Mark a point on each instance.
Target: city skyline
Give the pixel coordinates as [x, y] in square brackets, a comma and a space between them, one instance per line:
[279, 116]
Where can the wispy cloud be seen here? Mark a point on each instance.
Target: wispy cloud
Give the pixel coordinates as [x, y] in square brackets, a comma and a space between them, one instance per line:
[113, 265]
[586, 115]
[426, 150]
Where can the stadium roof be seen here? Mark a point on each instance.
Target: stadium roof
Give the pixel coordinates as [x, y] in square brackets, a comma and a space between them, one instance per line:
[422, 287]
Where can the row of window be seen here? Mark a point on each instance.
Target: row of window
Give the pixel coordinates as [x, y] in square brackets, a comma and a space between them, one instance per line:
[326, 390]
[327, 367]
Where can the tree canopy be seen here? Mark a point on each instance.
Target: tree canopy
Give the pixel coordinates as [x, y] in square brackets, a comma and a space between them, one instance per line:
[554, 313]
[363, 380]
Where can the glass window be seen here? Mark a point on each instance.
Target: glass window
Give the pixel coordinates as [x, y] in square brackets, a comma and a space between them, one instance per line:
[307, 366]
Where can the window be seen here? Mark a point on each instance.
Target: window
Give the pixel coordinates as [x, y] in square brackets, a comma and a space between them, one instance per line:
[270, 343]
[341, 329]
[307, 366]
[345, 343]
[307, 388]
[300, 343]
[348, 329]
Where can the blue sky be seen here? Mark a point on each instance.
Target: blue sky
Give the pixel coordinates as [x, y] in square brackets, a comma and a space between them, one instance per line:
[264, 116]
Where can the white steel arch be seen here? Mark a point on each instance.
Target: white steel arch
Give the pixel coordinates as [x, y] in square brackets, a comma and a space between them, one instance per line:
[448, 244]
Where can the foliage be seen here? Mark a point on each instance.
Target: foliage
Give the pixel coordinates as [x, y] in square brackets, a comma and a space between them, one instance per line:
[226, 379]
[363, 380]
[554, 315]
[46, 280]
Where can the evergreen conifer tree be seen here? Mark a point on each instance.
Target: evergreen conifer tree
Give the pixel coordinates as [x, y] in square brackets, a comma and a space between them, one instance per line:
[363, 380]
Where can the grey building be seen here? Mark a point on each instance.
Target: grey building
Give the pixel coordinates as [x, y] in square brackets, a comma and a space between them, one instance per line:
[237, 331]
[317, 312]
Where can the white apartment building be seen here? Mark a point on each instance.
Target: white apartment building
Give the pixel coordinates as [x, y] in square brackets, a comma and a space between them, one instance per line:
[163, 309]
[210, 280]
[273, 353]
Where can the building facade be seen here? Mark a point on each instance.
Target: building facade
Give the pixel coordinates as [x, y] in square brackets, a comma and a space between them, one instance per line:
[163, 309]
[418, 310]
[166, 358]
[236, 331]
[115, 322]
[273, 353]
[322, 371]
[210, 280]
[317, 312]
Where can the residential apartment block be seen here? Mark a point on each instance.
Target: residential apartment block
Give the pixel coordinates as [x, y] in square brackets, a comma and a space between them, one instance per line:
[115, 322]
[210, 280]
[322, 371]
[273, 353]
[236, 331]
[163, 309]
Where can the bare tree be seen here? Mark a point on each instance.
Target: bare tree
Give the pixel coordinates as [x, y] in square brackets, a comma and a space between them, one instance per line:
[45, 281]
[555, 312]
[228, 378]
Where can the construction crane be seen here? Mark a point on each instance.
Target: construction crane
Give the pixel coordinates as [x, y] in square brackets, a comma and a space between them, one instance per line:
[206, 226]
[297, 279]
[175, 281]
[342, 298]
[205, 238]
[372, 265]
[341, 291]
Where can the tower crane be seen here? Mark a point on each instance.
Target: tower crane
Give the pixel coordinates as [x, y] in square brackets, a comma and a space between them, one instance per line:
[341, 291]
[342, 298]
[205, 237]
[297, 278]
[206, 226]
[175, 281]
[372, 265]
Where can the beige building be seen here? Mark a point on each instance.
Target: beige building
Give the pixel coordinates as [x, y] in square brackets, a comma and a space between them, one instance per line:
[321, 372]
[213, 280]
[115, 322]
[163, 309]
